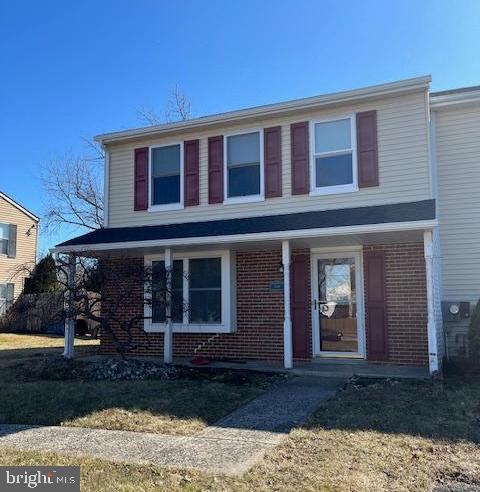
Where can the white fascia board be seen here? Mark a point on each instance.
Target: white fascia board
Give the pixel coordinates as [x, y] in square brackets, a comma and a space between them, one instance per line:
[17, 205]
[408, 85]
[448, 100]
[245, 238]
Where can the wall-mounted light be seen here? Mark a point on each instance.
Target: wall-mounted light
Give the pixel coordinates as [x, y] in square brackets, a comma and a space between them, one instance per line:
[280, 267]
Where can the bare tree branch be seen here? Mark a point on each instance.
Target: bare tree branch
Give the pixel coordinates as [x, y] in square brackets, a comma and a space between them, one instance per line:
[73, 191]
[178, 108]
[148, 116]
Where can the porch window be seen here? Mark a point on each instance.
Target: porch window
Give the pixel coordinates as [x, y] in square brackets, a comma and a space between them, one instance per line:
[205, 292]
[201, 293]
[166, 175]
[334, 156]
[159, 291]
[4, 236]
[3, 298]
[244, 166]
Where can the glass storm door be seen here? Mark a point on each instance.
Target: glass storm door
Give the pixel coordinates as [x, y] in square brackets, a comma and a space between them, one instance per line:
[336, 305]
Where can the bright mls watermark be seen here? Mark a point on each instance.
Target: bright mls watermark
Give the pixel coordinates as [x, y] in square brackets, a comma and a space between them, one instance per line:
[40, 478]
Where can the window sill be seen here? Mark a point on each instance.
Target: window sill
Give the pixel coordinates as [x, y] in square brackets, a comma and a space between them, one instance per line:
[333, 190]
[166, 208]
[150, 327]
[244, 199]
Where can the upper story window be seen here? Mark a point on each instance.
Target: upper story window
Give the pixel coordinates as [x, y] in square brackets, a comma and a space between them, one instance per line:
[166, 176]
[4, 237]
[244, 163]
[334, 160]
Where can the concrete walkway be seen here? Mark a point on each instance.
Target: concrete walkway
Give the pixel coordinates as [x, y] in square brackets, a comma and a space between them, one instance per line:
[231, 446]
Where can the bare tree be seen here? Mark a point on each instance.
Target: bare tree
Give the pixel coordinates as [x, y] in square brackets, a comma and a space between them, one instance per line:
[178, 108]
[99, 294]
[148, 116]
[73, 190]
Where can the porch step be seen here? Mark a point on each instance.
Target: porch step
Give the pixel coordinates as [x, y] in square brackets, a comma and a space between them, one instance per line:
[350, 368]
[340, 361]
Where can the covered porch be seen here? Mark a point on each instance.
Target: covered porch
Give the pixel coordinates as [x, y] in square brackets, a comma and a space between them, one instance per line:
[334, 299]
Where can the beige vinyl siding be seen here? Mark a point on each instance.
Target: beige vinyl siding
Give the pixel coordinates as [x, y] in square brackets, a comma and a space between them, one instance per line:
[458, 159]
[403, 167]
[26, 245]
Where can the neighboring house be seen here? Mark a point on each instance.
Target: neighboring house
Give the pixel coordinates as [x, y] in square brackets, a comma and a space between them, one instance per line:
[18, 248]
[308, 229]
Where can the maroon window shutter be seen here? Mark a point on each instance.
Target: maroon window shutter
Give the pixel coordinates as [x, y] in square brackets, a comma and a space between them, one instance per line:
[377, 336]
[300, 158]
[191, 172]
[272, 143]
[141, 179]
[215, 169]
[367, 151]
[300, 304]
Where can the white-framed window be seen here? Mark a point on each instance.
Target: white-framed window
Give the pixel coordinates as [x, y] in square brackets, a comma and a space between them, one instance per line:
[333, 167]
[201, 293]
[166, 177]
[4, 238]
[3, 298]
[243, 163]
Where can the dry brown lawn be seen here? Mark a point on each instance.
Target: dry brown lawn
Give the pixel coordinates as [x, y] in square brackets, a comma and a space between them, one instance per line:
[375, 436]
[19, 345]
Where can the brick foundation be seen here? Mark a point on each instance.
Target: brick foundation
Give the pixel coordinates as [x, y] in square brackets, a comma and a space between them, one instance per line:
[259, 333]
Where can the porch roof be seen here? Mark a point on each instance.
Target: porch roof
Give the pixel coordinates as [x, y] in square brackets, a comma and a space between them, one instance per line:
[303, 222]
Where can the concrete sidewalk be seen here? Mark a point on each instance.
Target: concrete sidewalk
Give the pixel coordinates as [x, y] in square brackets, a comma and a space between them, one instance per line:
[231, 446]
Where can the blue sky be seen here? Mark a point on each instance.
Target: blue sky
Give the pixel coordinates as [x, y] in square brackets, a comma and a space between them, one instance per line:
[76, 69]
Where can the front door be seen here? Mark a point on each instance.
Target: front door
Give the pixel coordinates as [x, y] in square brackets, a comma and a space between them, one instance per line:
[338, 304]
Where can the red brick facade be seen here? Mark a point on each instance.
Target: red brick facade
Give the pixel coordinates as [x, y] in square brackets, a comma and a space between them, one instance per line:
[406, 302]
[259, 333]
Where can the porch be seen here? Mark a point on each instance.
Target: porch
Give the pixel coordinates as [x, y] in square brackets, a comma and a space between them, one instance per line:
[324, 368]
[309, 304]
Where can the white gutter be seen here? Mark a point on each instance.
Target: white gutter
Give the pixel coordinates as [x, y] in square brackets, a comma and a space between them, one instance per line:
[391, 88]
[261, 236]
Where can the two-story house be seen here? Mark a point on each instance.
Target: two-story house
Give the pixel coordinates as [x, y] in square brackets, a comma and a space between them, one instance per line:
[18, 248]
[305, 230]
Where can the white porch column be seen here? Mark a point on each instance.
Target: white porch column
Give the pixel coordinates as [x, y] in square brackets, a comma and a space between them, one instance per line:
[287, 322]
[168, 336]
[69, 328]
[431, 325]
